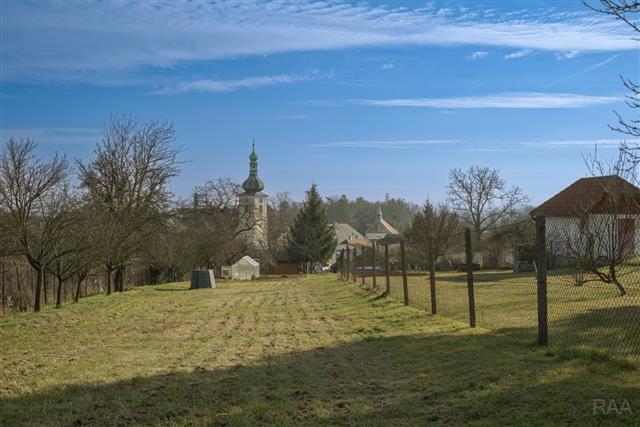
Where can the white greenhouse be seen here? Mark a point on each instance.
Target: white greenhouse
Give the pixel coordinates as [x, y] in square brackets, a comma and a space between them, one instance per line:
[246, 268]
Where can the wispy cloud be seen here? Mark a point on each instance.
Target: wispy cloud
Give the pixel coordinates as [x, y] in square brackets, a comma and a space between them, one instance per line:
[567, 55]
[480, 54]
[518, 54]
[598, 64]
[53, 136]
[109, 40]
[230, 85]
[385, 143]
[388, 66]
[503, 100]
[583, 71]
[606, 143]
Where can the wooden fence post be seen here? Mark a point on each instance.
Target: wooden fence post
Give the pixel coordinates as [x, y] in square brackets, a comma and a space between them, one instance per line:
[373, 251]
[348, 266]
[3, 295]
[362, 256]
[470, 290]
[355, 253]
[387, 273]
[541, 274]
[405, 284]
[341, 264]
[432, 274]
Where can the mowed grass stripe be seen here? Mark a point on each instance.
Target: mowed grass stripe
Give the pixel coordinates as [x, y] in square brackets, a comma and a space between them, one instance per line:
[288, 352]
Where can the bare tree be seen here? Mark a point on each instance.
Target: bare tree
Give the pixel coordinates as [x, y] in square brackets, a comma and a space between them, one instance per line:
[623, 10]
[218, 221]
[481, 197]
[127, 184]
[281, 216]
[437, 222]
[75, 250]
[35, 204]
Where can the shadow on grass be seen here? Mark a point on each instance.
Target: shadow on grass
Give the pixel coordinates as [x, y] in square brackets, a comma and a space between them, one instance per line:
[401, 380]
[613, 330]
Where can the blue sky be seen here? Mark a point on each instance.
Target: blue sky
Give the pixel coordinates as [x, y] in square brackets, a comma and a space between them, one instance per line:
[363, 98]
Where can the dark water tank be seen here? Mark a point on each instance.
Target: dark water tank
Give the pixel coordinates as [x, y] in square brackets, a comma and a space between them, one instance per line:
[202, 279]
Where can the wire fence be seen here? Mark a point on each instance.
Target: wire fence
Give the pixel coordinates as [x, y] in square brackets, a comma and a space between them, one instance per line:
[568, 285]
[18, 283]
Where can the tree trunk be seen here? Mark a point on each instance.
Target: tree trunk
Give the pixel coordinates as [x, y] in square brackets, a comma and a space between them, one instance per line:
[77, 297]
[109, 270]
[119, 279]
[59, 293]
[36, 305]
[614, 279]
[478, 232]
[44, 287]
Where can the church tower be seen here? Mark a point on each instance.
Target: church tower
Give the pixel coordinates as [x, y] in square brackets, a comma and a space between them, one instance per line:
[253, 206]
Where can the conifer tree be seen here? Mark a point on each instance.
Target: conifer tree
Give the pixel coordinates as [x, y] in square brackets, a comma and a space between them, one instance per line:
[312, 238]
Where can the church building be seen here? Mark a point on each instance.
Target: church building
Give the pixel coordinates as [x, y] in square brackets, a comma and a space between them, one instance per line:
[380, 228]
[253, 207]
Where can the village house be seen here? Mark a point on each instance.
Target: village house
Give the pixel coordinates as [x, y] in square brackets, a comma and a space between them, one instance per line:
[606, 207]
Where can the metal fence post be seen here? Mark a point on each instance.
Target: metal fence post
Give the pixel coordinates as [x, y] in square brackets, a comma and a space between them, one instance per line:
[541, 275]
[387, 290]
[432, 274]
[373, 250]
[405, 284]
[470, 290]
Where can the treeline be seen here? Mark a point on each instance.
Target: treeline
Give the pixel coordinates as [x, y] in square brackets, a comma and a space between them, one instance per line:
[110, 220]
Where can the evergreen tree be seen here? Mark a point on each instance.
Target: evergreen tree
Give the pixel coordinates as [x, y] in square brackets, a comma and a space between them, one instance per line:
[312, 238]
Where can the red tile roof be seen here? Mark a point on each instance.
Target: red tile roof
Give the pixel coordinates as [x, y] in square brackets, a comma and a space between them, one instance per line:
[589, 195]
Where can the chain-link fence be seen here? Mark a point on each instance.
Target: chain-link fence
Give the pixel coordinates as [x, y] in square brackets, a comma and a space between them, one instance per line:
[18, 283]
[562, 286]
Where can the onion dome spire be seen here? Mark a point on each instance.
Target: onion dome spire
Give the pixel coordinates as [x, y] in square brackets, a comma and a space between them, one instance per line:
[253, 184]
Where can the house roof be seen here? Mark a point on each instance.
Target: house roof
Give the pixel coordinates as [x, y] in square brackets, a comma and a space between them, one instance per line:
[593, 195]
[357, 241]
[345, 231]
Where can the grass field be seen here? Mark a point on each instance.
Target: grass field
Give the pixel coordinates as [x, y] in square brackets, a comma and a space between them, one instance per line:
[289, 352]
[591, 317]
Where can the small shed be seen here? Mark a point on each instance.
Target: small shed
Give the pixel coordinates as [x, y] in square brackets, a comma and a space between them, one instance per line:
[246, 268]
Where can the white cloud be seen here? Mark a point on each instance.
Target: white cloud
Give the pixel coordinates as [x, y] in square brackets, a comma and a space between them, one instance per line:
[388, 66]
[518, 54]
[53, 136]
[503, 100]
[480, 54]
[385, 144]
[107, 41]
[567, 55]
[230, 85]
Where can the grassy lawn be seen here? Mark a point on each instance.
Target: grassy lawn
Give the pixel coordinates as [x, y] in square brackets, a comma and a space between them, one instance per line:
[289, 352]
[591, 317]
